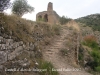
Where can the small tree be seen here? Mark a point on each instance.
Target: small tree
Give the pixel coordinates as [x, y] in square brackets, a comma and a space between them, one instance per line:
[64, 20]
[20, 7]
[4, 4]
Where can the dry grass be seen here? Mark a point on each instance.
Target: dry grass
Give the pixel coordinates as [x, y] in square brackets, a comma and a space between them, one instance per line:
[26, 30]
[17, 27]
[72, 24]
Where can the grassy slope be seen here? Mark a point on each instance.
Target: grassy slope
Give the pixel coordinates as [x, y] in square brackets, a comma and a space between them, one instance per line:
[16, 27]
[25, 30]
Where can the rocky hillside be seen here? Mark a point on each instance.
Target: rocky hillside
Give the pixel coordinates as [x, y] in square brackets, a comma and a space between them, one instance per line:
[91, 20]
[21, 43]
[38, 48]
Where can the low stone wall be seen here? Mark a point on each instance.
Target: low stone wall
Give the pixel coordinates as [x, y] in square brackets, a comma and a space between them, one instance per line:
[9, 48]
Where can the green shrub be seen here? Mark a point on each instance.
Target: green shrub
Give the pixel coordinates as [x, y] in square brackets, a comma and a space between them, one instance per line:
[48, 66]
[80, 57]
[95, 54]
[56, 29]
[98, 69]
[64, 20]
[96, 60]
[91, 41]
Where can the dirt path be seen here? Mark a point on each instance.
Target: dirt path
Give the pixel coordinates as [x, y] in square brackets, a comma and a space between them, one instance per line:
[51, 54]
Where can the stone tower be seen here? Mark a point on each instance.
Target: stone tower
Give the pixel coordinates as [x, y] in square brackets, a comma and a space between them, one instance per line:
[49, 16]
[50, 7]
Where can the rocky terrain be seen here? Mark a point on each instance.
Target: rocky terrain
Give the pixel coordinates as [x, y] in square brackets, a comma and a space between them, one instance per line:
[25, 45]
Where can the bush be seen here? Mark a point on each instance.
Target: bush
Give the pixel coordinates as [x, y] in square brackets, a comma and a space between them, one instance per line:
[64, 20]
[90, 41]
[95, 54]
[80, 57]
[96, 59]
[98, 69]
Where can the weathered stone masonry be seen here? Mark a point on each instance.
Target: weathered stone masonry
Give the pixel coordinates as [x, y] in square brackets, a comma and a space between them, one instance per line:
[49, 16]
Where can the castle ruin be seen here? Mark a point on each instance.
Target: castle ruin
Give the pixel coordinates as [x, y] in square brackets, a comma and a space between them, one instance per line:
[49, 16]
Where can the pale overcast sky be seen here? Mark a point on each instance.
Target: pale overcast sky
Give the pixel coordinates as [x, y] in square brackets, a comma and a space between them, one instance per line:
[70, 8]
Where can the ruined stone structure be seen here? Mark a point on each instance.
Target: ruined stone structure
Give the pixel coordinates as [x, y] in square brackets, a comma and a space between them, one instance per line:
[49, 16]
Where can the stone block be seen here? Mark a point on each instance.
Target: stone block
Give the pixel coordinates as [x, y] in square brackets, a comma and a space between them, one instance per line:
[13, 54]
[9, 41]
[1, 37]
[15, 45]
[3, 57]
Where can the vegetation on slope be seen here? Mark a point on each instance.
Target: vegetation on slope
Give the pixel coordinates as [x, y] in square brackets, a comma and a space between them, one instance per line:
[91, 42]
[16, 27]
[91, 20]
[28, 31]
[89, 51]
[63, 20]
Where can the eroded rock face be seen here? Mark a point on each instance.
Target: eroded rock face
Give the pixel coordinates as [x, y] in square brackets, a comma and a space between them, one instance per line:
[49, 16]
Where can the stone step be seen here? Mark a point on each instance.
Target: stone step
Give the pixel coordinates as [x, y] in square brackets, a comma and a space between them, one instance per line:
[51, 49]
[48, 55]
[50, 52]
[57, 44]
[55, 48]
[62, 36]
[59, 41]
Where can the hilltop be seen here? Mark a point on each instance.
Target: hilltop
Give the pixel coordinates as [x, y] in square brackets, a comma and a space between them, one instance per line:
[92, 20]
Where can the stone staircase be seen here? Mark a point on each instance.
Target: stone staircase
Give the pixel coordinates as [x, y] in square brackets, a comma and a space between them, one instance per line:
[51, 54]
